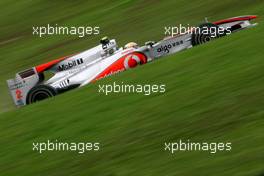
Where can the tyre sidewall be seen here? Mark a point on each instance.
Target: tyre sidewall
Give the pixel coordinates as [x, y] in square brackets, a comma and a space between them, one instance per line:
[198, 38]
[37, 90]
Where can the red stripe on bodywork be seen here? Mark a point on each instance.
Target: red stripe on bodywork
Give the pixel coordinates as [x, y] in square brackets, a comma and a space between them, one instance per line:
[43, 67]
[125, 62]
[244, 18]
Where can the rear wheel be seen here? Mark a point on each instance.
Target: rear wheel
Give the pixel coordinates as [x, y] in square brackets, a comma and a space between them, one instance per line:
[40, 92]
[205, 33]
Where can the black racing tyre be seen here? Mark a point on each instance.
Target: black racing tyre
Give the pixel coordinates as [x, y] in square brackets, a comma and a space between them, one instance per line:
[40, 92]
[205, 33]
[41, 77]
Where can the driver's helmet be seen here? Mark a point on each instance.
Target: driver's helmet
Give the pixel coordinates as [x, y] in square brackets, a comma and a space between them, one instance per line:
[131, 45]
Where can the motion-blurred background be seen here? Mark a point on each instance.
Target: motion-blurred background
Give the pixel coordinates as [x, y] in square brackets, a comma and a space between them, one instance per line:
[214, 92]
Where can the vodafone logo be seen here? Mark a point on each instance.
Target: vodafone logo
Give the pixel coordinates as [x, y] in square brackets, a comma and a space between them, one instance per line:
[132, 60]
[126, 62]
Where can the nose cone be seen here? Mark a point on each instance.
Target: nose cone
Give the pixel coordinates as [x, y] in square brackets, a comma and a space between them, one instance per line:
[240, 18]
[252, 17]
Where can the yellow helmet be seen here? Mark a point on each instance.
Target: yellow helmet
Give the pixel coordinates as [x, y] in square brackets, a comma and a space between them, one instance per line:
[131, 45]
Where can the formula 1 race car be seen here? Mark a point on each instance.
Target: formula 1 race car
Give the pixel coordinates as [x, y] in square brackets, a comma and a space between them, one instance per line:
[106, 59]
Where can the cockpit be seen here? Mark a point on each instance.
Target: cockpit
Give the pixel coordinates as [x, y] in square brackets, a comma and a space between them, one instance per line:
[109, 47]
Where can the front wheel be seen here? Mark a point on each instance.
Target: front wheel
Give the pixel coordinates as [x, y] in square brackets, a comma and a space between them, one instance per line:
[40, 92]
[205, 33]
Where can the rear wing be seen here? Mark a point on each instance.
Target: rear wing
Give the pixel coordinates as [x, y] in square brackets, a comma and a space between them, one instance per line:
[21, 85]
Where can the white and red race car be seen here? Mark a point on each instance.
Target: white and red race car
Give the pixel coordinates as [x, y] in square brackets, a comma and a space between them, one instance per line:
[106, 59]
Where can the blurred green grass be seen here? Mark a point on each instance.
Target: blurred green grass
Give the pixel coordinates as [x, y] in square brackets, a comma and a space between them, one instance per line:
[214, 93]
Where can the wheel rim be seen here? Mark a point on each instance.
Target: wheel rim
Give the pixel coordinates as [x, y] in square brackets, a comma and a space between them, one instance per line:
[40, 95]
